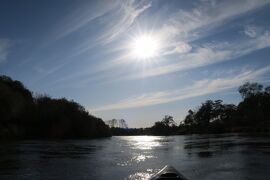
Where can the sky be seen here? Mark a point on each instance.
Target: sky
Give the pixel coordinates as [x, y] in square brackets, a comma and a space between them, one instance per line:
[84, 51]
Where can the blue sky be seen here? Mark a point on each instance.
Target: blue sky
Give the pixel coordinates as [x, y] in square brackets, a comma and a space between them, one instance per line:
[81, 50]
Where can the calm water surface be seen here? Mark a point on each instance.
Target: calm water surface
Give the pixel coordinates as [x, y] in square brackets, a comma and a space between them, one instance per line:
[207, 157]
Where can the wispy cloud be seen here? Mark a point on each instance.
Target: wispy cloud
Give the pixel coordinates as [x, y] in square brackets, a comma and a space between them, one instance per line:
[128, 11]
[209, 54]
[112, 18]
[5, 45]
[115, 23]
[177, 32]
[178, 48]
[83, 15]
[183, 26]
[199, 88]
[188, 23]
[251, 31]
[201, 56]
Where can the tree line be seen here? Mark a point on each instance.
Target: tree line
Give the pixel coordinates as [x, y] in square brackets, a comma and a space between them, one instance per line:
[24, 116]
[252, 114]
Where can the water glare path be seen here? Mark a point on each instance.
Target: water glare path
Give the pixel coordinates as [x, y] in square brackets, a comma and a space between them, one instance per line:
[198, 157]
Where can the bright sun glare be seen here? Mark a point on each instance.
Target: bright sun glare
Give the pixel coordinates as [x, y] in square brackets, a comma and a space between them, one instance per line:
[145, 47]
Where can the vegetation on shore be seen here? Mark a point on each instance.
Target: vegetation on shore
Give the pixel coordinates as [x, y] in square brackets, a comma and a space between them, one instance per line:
[23, 116]
[251, 115]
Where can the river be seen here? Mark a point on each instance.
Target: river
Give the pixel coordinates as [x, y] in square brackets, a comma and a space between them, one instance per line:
[198, 157]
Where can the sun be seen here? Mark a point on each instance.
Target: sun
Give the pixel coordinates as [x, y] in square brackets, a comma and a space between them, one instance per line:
[145, 47]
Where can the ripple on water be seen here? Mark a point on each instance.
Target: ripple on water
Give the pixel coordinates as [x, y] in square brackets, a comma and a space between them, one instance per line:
[137, 158]
[141, 175]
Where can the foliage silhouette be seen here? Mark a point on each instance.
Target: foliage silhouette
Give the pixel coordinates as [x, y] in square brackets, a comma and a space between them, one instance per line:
[251, 115]
[42, 117]
[165, 127]
[250, 89]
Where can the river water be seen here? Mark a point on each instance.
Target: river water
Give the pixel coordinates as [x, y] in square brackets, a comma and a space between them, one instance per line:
[198, 157]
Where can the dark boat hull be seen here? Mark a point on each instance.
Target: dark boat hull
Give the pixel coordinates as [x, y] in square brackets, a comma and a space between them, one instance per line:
[168, 172]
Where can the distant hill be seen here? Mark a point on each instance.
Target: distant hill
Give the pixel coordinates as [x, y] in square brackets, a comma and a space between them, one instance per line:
[23, 116]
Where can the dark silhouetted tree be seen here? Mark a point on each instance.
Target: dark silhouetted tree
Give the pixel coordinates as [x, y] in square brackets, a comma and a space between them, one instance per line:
[165, 127]
[250, 89]
[254, 111]
[267, 90]
[211, 117]
[168, 121]
[22, 116]
[189, 119]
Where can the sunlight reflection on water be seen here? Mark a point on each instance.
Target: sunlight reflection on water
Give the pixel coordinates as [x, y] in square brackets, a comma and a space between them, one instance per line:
[198, 157]
[136, 158]
[140, 175]
[144, 142]
[142, 146]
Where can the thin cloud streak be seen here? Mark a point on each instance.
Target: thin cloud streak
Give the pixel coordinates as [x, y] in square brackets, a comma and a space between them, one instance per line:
[115, 23]
[251, 31]
[205, 56]
[176, 27]
[199, 88]
[5, 45]
[192, 24]
[129, 12]
[188, 25]
[83, 15]
[117, 17]
[210, 15]
[199, 57]
[125, 15]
